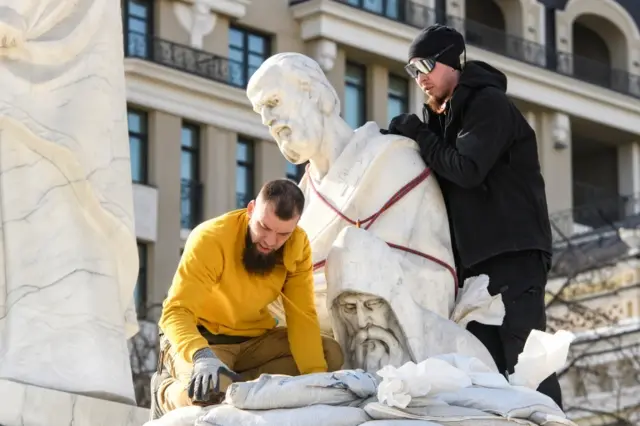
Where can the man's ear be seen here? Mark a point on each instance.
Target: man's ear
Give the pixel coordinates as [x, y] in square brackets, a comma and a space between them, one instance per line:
[250, 207]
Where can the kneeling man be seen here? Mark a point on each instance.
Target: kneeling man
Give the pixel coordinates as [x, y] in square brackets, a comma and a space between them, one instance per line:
[215, 324]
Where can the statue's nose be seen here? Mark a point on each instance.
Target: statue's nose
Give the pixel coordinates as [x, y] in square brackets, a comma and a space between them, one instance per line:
[267, 117]
[363, 318]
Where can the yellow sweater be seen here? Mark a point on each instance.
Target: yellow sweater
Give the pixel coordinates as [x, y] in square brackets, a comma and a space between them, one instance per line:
[212, 288]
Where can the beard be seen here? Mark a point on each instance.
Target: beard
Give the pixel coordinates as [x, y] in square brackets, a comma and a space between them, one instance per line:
[436, 104]
[374, 347]
[256, 262]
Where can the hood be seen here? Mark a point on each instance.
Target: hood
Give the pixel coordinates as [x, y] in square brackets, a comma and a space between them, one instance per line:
[478, 75]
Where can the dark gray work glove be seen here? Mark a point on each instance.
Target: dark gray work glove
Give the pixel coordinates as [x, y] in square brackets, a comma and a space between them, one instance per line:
[206, 375]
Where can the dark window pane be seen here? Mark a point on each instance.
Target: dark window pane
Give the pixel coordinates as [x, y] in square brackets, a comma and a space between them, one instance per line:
[373, 5]
[243, 152]
[139, 9]
[398, 87]
[354, 75]
[187, 169]
[236, 38]
[138, 27]
[257, 44]
[188, 137]
[354, 106]
[255, 60]
[247, 51]
[134, 121]
[236, 54]
[394, 108]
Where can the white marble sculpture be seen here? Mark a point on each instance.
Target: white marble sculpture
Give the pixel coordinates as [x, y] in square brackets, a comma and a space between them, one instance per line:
[352, 176]
[388, 308]
[68, 255]
[380, 312]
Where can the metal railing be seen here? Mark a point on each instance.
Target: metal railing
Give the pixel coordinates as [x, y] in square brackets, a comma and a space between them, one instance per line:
[494, 40]
[587, 237]
[184, 58]
[191, 211]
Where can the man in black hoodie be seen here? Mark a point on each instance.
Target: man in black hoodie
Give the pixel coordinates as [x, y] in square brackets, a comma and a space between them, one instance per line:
[484, 155]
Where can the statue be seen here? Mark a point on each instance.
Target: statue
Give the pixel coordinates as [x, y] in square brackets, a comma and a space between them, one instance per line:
[380, 312]
[363, 178]
[379, 234]
[68, 256]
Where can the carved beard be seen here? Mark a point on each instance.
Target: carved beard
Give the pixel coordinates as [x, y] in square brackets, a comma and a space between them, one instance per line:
[374, 347]
[256, 262]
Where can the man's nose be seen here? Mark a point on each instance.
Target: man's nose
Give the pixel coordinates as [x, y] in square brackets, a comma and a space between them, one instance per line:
[271, 239]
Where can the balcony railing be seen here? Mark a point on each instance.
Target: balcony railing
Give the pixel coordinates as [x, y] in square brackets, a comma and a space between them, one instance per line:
[587, 236]
[598, 216]
[479, 35]
[184, 58]
[190, 203]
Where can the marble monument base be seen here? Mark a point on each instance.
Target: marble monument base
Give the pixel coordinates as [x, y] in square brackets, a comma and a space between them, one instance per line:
[26, 405]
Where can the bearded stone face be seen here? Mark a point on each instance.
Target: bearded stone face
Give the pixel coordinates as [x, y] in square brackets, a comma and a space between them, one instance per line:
[375, 339]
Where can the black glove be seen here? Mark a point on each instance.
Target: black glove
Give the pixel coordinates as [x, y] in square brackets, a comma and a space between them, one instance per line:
[406, 125]
[206, 376]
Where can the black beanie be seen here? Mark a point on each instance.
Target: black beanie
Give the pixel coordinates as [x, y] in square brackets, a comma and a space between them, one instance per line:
[433, 40]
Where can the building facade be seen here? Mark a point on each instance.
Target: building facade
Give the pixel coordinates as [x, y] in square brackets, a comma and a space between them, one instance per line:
[198, 150]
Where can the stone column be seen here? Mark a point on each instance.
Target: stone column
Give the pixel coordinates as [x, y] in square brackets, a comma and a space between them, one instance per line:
[270, 163]
[553, 130]
[377, 94]
[218, 171]
[629, 175]
[164, 174]
[417, 98]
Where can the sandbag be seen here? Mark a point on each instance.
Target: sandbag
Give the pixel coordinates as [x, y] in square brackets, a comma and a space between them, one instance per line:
[315, 415]
[184, 416]
[271, 391]
[440, 415]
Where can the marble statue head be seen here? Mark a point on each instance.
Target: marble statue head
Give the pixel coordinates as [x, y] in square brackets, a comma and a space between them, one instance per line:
[294, 98]
[371, 330]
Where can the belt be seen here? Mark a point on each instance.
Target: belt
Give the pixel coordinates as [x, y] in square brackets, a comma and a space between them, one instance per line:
[221, 339]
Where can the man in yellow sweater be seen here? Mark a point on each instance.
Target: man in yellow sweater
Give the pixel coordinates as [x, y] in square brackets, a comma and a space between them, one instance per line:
[215, 324]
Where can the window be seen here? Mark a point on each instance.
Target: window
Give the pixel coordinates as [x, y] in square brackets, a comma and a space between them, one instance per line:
[354, 95]
[190, 187]
[137, 122]
[398, 96]
[295, 171]
[247, 51]
[140, 291]
[138, 27]
[389, 8]
[244, 172]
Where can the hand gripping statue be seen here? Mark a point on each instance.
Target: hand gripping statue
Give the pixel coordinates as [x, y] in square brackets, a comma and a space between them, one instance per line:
[363, 178]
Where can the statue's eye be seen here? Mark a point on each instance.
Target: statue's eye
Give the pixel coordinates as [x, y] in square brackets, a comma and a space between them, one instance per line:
[375, 303]
[349, 308]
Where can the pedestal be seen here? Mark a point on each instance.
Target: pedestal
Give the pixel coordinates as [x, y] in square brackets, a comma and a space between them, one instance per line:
[26, 405]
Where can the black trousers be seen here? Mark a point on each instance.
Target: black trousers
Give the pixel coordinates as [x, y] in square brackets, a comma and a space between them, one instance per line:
[521, 277]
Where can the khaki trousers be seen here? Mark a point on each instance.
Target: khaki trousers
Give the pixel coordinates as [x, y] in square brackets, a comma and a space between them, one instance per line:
[266, 354]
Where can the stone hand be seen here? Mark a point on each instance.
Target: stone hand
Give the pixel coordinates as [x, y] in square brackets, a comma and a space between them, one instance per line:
[206, 377]
[406, 125]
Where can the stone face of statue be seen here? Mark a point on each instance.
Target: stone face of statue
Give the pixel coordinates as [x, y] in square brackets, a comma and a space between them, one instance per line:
[375, 338]
[288, 101]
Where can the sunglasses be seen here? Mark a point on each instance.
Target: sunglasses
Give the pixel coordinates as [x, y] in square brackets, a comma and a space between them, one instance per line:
[424, 66]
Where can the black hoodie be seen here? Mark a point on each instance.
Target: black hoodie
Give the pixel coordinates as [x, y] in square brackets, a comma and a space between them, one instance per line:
[485, 156]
